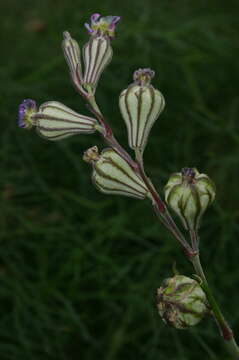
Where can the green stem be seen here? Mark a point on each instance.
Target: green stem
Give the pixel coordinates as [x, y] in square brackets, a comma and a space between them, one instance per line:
[225, 330]
[162, 212]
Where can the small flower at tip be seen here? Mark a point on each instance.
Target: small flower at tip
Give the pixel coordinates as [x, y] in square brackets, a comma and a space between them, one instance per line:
[188, 175]
[103, 26]
[143, 76]
[25, 111]
[91, 155]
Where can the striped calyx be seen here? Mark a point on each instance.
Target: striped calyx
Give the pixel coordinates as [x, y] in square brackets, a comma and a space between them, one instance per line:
[140, 105]
[113, 175]
[97, 54]
[55, 121]
[189, 193]
[181, 302]
[72, 55]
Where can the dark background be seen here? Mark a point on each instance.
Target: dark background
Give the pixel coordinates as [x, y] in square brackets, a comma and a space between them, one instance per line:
[79, 270]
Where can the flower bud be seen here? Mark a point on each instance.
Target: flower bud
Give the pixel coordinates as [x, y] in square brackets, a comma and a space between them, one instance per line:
[140, 105]
[113, 175]
[181, 302]
[72, 55]
[97, 53]
[55, 121]
[189, 193]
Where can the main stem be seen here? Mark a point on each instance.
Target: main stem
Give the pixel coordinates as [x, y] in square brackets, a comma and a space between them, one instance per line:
[161, 211]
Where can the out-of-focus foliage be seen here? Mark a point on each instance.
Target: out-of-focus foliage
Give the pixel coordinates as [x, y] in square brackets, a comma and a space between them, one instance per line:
[79, 270]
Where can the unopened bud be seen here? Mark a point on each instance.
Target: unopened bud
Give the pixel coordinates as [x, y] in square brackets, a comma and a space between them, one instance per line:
[189, 193]
[181, 302]
[72, 55]
[140, 105]
[113, 175]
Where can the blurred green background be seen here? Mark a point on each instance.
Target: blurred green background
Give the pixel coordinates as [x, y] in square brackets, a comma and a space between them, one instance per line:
[79, 270]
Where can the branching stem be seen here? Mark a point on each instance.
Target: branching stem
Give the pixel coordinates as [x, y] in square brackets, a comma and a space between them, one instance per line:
[191, 251]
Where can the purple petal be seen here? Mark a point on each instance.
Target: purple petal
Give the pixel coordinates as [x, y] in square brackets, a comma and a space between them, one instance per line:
[94, 18]
[89, 28]
[115, 20]
[25, 109]
[102, 26]
[143, 76]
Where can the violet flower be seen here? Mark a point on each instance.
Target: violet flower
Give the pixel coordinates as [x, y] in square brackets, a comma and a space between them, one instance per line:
[102, 26]
[25, 110]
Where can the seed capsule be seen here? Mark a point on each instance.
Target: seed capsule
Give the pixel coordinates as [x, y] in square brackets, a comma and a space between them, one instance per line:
[181, 302]
[140, 105]
[113, 175]
[189, 193]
